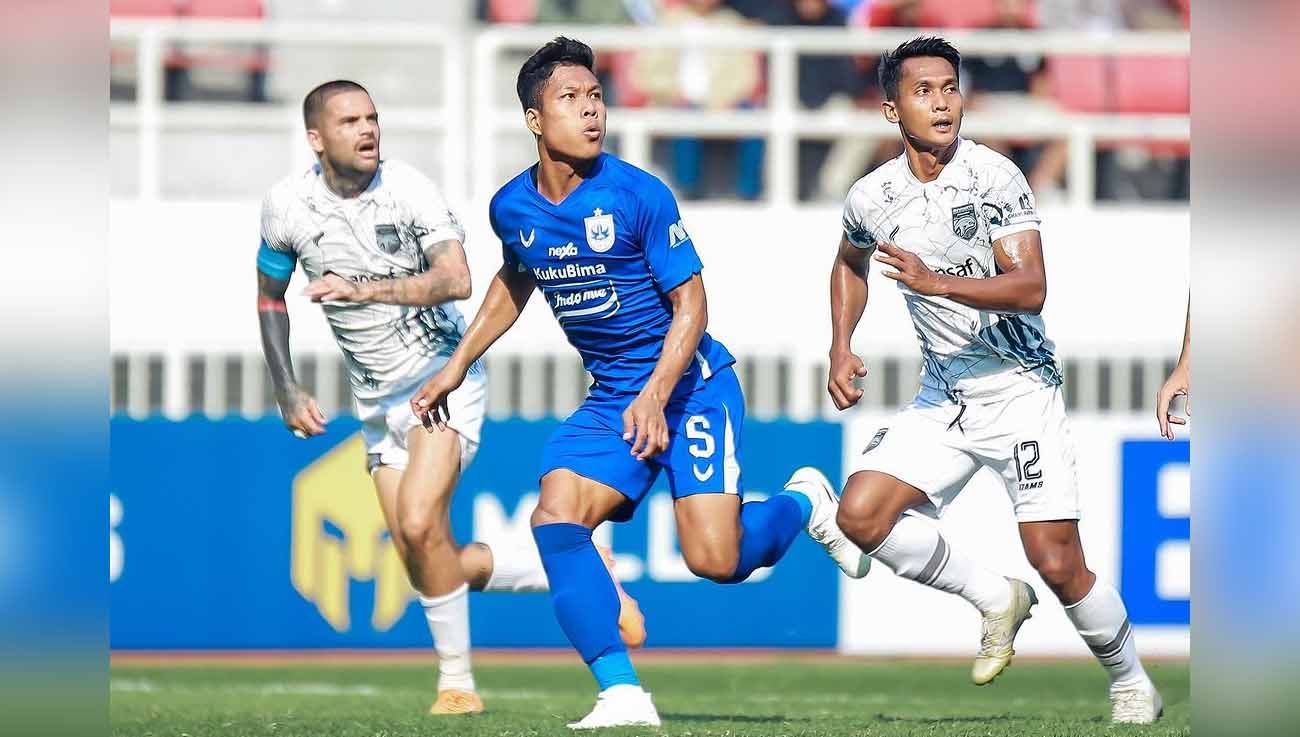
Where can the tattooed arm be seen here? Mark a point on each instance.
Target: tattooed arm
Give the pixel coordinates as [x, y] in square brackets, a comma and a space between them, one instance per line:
[298, 408]
[445, 279]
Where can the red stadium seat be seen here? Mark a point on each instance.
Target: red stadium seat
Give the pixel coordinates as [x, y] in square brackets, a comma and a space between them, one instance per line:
[512, 11]
[965, 14]
[226, 9]
[1152, 84]
[1079, 83]
[253, 60]
[143, 8]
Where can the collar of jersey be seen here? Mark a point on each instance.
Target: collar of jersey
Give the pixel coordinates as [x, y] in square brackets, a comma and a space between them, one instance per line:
[530, 182]
[328, 196]
[911, 175]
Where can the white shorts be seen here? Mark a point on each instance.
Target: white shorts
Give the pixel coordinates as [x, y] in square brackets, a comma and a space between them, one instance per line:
[1024, 439]
[386, 422]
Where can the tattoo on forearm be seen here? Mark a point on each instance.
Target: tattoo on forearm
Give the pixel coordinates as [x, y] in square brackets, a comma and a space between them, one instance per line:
[273, 320]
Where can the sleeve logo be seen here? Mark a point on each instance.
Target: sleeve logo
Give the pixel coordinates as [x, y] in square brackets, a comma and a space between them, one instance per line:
[677, 234]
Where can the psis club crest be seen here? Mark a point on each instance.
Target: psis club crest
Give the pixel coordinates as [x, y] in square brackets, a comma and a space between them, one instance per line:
[600, 231]
[963, 221]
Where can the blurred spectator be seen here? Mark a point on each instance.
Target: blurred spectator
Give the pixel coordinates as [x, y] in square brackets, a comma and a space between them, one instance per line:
[850, 158]
[1111, 15]
[1017, 86]
[827, 82]
[1124, 170]
[718, 79]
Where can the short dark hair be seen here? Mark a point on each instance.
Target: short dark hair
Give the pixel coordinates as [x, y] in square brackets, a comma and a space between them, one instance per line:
[314, 102]
[541, 65]
[891, 64]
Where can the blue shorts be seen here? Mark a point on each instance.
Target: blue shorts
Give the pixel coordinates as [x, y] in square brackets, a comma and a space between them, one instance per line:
[703, 454]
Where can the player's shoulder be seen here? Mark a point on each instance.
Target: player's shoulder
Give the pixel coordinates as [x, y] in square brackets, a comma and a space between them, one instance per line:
[879, 185]
[397, 175]
[985, 160]
[285, 201]
[291, 188]
[508, 192]
[633, 178]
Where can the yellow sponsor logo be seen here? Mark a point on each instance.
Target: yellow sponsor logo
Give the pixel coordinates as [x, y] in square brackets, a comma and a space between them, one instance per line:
[339, 535]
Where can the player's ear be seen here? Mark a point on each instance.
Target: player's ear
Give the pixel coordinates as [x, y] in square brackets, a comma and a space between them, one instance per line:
[533, 119]
[890, 110]
[314, 140]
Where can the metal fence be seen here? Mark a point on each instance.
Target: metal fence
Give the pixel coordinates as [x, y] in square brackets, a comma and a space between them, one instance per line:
[238, 385]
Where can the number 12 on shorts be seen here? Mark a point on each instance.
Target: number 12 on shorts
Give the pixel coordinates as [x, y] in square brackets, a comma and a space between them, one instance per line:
[1026, 456]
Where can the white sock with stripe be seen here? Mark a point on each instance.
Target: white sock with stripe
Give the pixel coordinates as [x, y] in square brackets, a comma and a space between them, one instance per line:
[916, 550]
[448, 617]
[517, 568]
[1102, 621]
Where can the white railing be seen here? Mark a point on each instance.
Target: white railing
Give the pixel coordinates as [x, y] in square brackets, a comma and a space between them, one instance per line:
[1104, 379]
[472, 60]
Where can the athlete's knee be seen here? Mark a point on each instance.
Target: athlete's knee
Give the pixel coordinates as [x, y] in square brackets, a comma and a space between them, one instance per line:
[421, 532]
[553, 510]
[712, 564]
[1058, 565]
[864, 521]
[561, 501]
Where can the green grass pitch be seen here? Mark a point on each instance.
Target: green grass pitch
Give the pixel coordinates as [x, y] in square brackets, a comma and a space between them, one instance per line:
[719, 697]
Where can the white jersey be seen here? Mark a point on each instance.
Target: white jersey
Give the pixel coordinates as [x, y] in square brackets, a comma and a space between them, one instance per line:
[951, 224]
[381, 234]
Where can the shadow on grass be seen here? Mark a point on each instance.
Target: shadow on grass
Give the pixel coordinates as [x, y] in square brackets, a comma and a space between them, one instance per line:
[738, 718]
[889, 718]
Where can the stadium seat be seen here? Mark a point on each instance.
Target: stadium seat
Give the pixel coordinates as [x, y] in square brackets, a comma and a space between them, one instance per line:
[224, 9]
[965, 14]
[143, 8]
[251, 60]
[1079, 83]
[512, 11]
[1152, 84]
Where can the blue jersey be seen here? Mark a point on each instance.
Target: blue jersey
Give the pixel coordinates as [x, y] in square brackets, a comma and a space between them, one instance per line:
[605, 259]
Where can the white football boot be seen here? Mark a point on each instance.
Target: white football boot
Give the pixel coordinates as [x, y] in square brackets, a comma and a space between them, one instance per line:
[821, 523]
[623, 705]
[1137, 705]
[998, 633]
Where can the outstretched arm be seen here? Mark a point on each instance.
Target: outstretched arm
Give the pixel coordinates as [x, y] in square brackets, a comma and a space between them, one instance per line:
[505, 300]
[1020, 286]
[848, 301]
[445, 279]
[298, 408]
[643, 421]
[1178, 383]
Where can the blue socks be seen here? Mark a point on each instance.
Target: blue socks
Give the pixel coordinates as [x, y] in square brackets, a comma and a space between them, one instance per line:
[586, 603]
[767, 529]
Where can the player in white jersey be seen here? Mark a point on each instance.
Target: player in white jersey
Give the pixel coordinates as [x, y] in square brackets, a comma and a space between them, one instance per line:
[384, 256]
[957, 224]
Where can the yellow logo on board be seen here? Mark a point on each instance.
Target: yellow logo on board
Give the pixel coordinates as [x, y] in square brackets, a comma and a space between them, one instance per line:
[339, 535]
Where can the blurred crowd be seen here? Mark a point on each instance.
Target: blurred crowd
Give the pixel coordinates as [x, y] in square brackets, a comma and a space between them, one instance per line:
[731, 79]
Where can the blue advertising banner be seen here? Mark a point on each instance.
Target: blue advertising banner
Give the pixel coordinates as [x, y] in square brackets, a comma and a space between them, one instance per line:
[234, 534]
[1156, 531]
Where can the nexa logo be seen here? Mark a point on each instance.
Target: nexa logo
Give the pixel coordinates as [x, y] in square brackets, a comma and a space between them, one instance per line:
[965, 268]
[339, 536]
[677, 234]
[561, 252]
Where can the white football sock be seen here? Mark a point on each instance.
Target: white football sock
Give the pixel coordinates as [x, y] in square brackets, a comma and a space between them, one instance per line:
[517, 568]
[916, 550]
[1102, 621]
[448, 617]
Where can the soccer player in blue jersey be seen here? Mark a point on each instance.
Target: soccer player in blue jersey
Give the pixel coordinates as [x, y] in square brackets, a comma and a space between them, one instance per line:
[604, 243]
